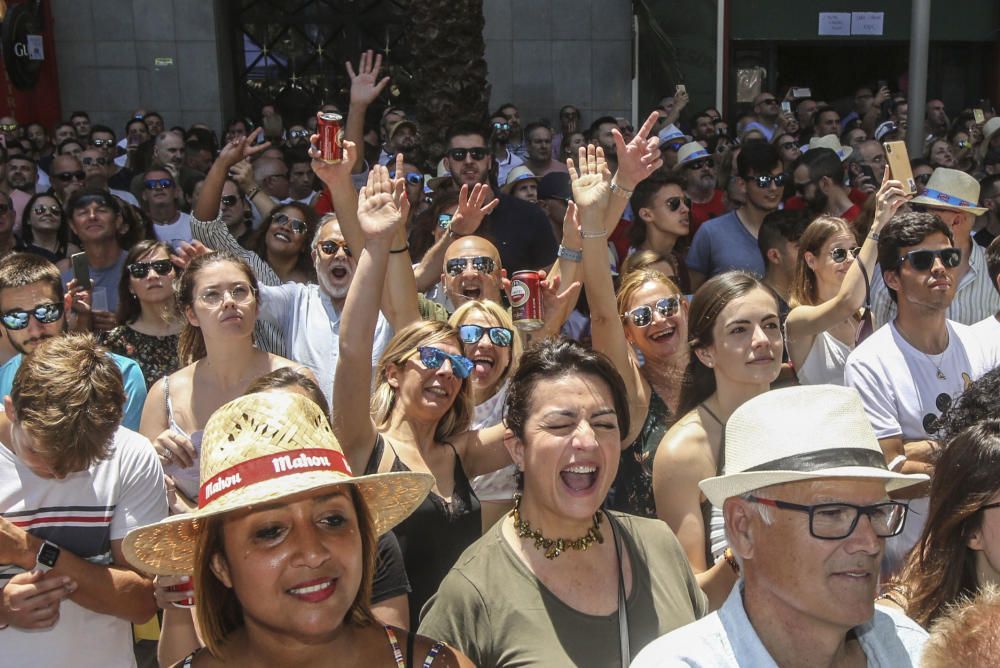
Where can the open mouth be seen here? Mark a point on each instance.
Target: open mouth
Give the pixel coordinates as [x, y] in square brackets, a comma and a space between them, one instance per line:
[663, 334]
[339, 273]
[281, 236]
[315, 591]
[484, 365]
[472, 292]
[579, 479]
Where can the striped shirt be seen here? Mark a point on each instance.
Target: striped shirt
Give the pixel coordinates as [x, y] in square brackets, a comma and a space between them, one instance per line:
[975, 299]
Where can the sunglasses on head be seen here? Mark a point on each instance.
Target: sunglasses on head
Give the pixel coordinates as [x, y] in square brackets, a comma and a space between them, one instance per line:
[480, 263]
[500, 336]
[838, 255]
[674, 203]
[230, 200]
[412, 178]
[71, 176]
[434, 358]
[764, 181]
[700, 164]
[297, 226]
[88, 161]
[44, 313]
[330, 247]
[922, 260]
[141, 269]
[159, 184]
[642, 316]
[459, 154]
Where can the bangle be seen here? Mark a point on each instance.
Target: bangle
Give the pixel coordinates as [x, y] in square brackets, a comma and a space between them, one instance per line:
[594, 235]
[253, 193]
[730, 559]
[570, 254]
[621, 192]
[897, 461]
[400, 250]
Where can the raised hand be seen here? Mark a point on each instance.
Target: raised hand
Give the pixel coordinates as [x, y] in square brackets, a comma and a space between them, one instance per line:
[186, 252]
[398, 185]
[640, 157]
[242, 148]
[571, 227]
[889, 198]
[590, 183]
[327, 171]
[365, 84]
[471, 210]
[378, 210]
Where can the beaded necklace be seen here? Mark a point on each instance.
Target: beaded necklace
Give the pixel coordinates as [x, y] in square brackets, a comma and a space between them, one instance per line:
[554, 547]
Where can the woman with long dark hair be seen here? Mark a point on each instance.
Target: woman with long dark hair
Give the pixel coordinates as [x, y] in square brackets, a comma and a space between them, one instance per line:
[282, 240]
[44, 230]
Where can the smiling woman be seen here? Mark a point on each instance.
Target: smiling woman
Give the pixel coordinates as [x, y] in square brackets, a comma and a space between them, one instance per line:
[282, 240]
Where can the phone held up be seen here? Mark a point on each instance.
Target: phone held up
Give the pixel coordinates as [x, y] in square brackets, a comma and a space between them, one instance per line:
[899, 163]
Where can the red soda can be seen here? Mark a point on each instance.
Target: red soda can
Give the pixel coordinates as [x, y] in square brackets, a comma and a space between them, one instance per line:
[330, 128]
[526, 300]
[184, 587]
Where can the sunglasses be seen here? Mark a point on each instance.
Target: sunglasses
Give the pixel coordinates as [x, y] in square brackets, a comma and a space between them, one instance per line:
[412, 178]
[7, 127]
[159, 184]
[88, 161]
[700, 164]
[71, 176]
[100, 143]
[141, 269]
[764, 181]
[297, 226]
[41, 209]
[500, 336]
[922, 260]
[229, 200]
[331, 247]
[45, 314]
[674, 203]
[481, 263]
[298, 133]
[459, 154]
[788, 145]
[501, 126]
[642, 316]
[838, 255]
[444, 220]
[434, 358]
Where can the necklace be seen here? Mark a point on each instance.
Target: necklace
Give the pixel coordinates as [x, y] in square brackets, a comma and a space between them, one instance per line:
[940, 373]
[554, 547]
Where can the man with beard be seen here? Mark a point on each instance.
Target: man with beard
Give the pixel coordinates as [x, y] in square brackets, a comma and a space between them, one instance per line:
[819, 179]
[936, 121]
[517, 144]
[402, 138]
[21, 174]
[600, 135]
[502, 156]
[34, 308]
[539, 143]
[159, 201]
[707, 201]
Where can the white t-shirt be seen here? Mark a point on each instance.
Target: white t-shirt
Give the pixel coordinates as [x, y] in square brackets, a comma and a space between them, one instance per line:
[179, 229]
[987, 329]
[82, 514]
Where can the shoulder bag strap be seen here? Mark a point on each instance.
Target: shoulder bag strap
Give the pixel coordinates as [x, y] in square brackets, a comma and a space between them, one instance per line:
[622, 608]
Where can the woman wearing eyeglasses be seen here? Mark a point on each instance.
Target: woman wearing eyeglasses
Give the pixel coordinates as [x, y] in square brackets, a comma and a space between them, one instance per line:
[219, 298]
[418, 416]
[44, 231]
[831, 287]
[283, 242]
[147, 308]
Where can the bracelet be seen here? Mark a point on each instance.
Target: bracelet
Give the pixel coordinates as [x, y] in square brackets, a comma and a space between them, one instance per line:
[621, 192]
[400, 250]
[570, 254]
[898, 460]
[594, 235]
[730, 559]
[873, 236]
[253, 193]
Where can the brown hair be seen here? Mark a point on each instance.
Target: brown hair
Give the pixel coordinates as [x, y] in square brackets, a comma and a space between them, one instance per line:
[286, 377]
[303, 263]
[20, 269]
[70, 397]
[129, 308]
[191, 346]
[633, 281]
[644, 259]
[219, 611]
[805, 289]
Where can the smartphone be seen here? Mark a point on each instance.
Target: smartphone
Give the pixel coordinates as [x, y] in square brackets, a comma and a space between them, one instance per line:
[866, 170]
[681, 88]
[979, 116]
[801, 92]
[786, 106]
[81, 270]
[899, 164]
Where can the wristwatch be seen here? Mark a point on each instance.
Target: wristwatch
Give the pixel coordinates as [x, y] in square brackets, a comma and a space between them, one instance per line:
[621, 192]
[48, 555]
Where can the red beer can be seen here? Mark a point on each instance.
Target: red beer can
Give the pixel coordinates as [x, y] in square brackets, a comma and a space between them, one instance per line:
[330, 129]
[184, 587]
[526, 300]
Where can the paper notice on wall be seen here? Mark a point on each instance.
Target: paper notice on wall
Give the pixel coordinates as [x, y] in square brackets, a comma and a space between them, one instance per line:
[835, 23]
[36, 48]
[867, 23]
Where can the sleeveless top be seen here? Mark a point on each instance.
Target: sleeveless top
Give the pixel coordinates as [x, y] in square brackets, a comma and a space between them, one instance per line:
[632, 490]
[186, 479]
[435, 535]
[825, 362]
[397, 653]
[715, 536]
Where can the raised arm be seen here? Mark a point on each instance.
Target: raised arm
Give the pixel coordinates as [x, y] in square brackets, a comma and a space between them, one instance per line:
[365, 89]
[379, 214]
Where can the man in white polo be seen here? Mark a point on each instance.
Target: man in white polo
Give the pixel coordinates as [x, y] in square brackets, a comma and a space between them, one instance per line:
[805, 499]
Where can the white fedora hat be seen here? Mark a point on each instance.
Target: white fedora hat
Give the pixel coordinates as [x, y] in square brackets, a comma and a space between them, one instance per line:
[515, 176]
[831, 142]
[991, 128]
[951, 189]
[801, 433]
[690, 152]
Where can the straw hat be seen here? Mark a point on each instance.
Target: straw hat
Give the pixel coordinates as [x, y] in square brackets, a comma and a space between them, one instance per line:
[690, 152]
[261, 448]
[831, 142]
[443, 176]
[515, 176]
[801, 433]
[951, 189]
[991, 128]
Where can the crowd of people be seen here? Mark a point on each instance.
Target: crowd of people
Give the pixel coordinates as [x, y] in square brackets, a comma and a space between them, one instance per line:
[265, 409]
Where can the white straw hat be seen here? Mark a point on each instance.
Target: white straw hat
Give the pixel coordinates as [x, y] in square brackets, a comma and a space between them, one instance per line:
[516, 175]
[831, 142]
[690, 152]
[258, 449]
[800, 433]
[951, 189]
[991, 128]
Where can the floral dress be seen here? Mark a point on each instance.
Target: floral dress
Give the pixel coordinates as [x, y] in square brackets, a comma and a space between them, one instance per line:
[632, 491]
[155, 355]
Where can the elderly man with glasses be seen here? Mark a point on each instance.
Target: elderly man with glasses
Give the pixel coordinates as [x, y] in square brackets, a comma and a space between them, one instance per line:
[805, 498]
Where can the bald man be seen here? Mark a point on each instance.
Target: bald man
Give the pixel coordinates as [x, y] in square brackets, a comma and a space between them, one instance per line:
[471, 270]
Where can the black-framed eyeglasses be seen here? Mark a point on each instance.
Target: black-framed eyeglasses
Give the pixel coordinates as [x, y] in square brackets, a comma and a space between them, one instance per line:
[330, 247]
[500, 336]
[481, 263]
[158, 184]
[642, 316]
[700, 164]
[141, 269]
[923, 260]
[230, 200]
[45, 314]
[838, 255]
[434, 358]
[674, 203]
[41, 209]
[294, 224]
[71, 176]
[764, 181]
[413, 178]
[458, 154]
[836, 521]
